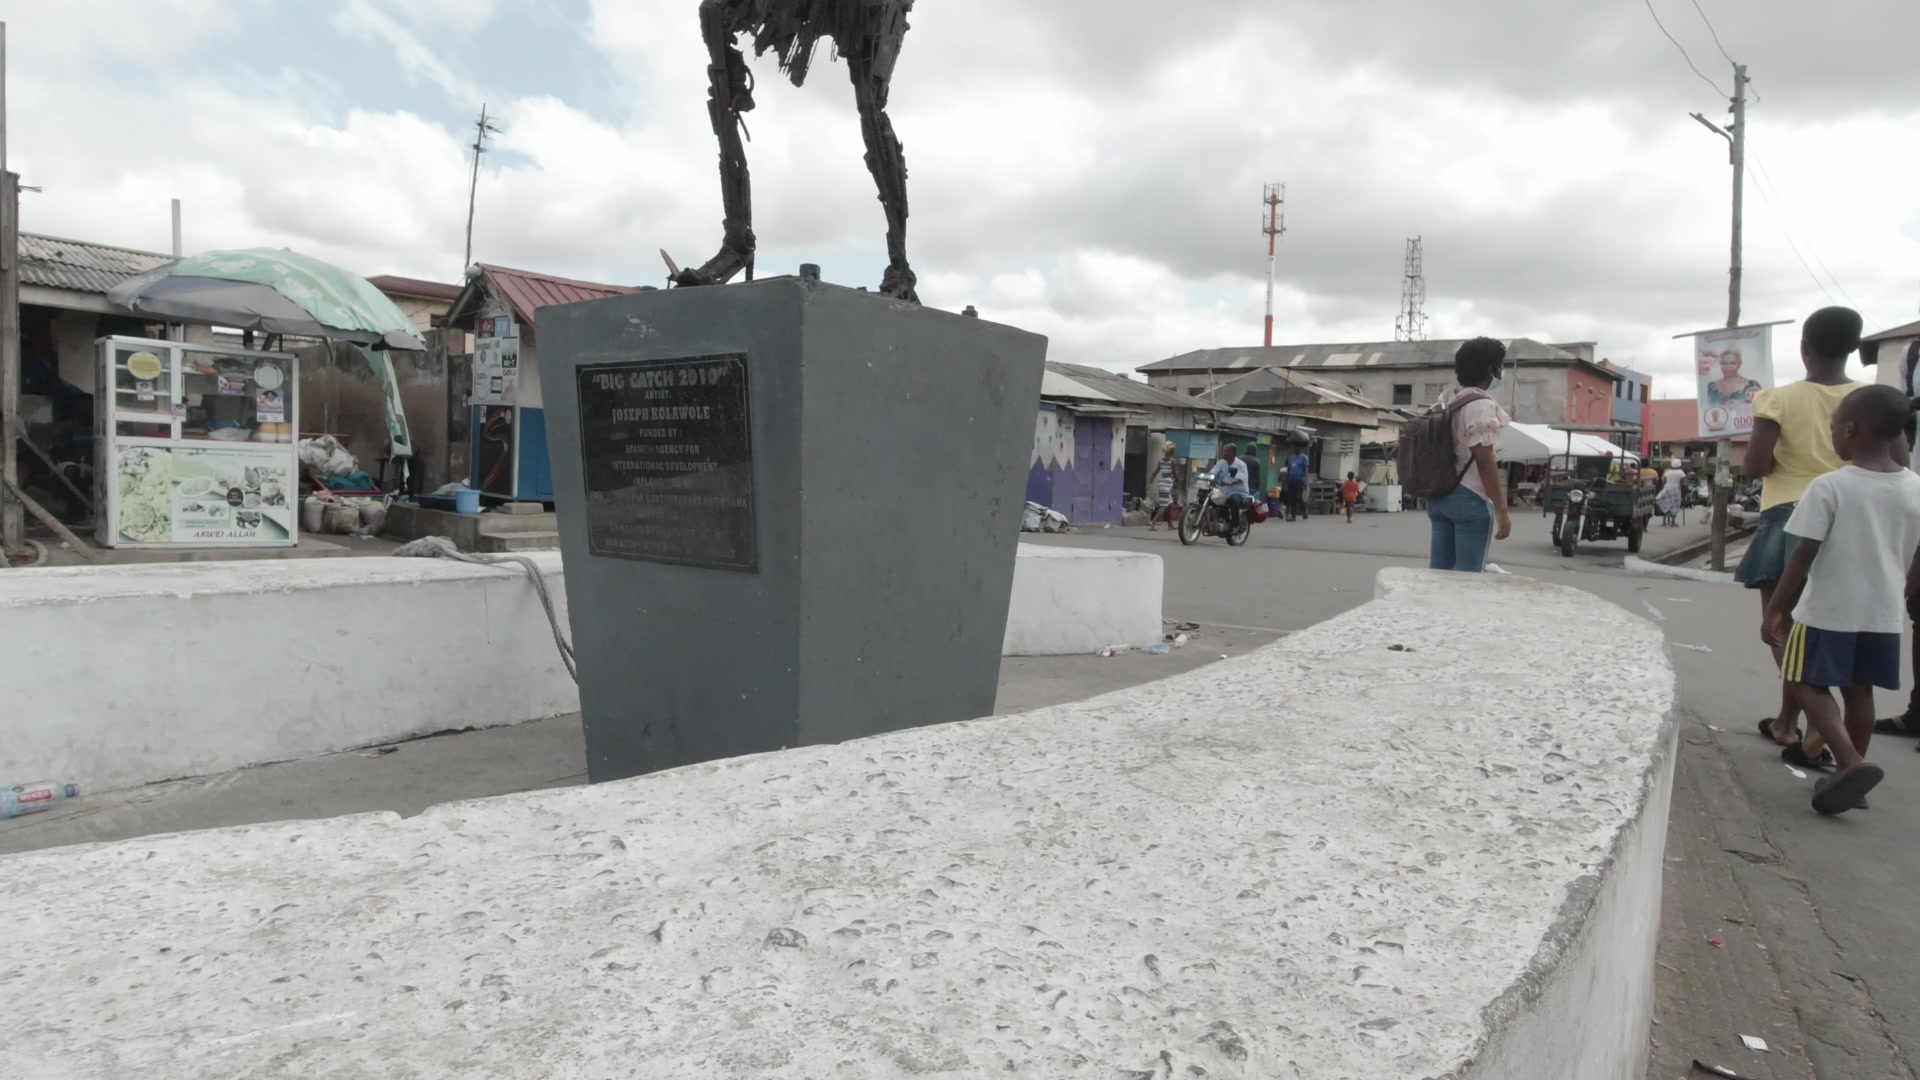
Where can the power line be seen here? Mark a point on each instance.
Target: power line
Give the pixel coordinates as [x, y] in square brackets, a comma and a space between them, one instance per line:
[1777, 203]
[1683, 50]
[1788, 237]
[1723, 49]
[1711, 30]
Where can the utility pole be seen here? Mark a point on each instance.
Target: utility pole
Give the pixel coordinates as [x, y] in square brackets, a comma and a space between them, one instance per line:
[1736, 136]
[482, 129]
[1275, 226]
[1412, 323]
[12, 519]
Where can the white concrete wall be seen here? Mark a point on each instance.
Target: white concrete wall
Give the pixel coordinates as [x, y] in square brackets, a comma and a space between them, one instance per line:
[1075, 600]
[124, 675]
[1440, 858]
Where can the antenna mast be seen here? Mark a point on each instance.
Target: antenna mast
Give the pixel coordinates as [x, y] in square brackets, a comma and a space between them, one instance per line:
[1412, 323]
[1274, 225]
[482, 129]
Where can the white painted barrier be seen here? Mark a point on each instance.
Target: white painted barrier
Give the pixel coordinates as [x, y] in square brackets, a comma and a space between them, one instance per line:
[118, 676]
[1442, 857]
[1069, 601]
[123, 675]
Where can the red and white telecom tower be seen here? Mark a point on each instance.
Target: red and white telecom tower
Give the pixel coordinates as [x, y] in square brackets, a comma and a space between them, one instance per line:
[1274, 225]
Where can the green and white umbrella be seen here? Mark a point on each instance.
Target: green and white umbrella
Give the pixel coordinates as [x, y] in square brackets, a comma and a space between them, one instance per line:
[282, 292]
[279, 292]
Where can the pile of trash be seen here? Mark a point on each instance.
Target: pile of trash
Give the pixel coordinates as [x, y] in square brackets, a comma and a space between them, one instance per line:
[1043, 519]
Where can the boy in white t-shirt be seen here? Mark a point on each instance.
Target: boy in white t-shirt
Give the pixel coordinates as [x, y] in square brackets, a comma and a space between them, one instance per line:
[1858, 530]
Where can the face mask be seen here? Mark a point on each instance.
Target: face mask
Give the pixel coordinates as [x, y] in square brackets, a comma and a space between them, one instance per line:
[1495, 385]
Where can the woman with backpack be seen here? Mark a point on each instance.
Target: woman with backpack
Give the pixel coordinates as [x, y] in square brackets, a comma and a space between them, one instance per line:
[1447, 458]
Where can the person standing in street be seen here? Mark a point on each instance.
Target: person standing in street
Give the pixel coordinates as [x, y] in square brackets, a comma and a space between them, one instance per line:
[1349, 495]
[1255, 489]
[1669, 500]
[1856, 532]
[1164, 505]
[1467, 520]
[1296, 484]
[1792, 444]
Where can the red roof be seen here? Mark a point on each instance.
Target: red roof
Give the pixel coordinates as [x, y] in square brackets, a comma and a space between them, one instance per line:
[527, 292]
[419, 288]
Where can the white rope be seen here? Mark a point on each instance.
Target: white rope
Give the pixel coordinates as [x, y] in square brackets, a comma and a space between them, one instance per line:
[443, 548]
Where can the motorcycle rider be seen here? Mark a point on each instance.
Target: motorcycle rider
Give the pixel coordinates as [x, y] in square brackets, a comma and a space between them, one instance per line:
[1230, 479]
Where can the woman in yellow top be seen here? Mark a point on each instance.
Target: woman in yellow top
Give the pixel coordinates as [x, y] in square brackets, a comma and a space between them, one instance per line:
[1792, 444]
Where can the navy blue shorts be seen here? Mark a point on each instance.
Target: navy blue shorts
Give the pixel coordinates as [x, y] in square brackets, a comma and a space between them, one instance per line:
[1830, 658]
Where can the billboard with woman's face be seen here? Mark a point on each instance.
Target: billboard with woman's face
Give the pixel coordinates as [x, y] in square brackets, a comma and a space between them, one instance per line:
[1732, 366]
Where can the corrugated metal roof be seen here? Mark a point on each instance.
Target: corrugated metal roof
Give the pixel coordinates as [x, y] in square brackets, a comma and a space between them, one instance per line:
[527, 292]
[1053, 384]
[1383, 354]
[1114, 386]
[418, 288]
[1269, 387]
[1912, 329]
[78, 266]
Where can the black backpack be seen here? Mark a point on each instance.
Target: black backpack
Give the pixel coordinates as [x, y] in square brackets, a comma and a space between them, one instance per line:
[1428, 468]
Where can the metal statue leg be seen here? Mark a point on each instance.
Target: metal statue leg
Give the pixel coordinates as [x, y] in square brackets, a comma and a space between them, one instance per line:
[729, 94]
[887, 161]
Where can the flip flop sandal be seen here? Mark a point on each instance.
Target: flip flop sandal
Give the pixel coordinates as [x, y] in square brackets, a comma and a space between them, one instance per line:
[1766, 730]
[1842, 792]
[1893, 725]
[1797, 755]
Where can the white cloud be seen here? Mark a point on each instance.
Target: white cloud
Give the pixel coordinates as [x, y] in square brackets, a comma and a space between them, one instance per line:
[1096, 180]
[372, 23]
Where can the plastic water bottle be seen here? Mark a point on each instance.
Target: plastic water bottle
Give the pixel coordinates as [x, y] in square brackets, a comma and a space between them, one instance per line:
[35, 797]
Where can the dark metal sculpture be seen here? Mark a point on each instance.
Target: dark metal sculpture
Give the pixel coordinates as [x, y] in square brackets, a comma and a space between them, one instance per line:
[868, 35]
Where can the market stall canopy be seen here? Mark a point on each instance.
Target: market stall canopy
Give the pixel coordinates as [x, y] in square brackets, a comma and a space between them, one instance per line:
[1529, 442]
[276, 291]
[283, 292]
[1538, 442]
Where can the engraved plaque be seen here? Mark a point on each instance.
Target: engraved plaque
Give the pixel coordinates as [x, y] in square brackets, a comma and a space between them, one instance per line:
[667, 452]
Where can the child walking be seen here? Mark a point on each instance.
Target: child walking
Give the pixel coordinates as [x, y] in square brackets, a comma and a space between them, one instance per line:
[1350, 494]
[1858, 532]
[1791, 445]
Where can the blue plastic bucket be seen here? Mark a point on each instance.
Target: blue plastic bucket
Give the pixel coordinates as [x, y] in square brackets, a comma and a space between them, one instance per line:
[466, 501]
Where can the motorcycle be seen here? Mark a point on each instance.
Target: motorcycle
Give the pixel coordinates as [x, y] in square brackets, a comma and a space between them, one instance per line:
[1208, 515]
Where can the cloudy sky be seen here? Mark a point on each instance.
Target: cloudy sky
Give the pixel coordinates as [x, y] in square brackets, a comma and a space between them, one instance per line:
[1091, 171]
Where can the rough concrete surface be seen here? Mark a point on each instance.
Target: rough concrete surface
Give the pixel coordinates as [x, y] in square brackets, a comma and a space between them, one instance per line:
[1340, 886]
[1830, 900]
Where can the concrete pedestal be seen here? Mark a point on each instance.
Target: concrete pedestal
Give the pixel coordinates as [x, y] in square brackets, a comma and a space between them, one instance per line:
[788, 513]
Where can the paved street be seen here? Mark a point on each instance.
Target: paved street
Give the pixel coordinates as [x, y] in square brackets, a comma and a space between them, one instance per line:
[1808, 912]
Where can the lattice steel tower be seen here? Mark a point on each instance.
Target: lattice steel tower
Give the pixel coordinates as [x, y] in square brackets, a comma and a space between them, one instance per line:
[1412, 323]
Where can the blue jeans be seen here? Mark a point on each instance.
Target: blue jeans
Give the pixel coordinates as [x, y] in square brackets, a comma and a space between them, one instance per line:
[1462, 530]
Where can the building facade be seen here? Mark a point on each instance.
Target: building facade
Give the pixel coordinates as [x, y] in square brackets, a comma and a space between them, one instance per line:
[1544, 384]
[1092, 445]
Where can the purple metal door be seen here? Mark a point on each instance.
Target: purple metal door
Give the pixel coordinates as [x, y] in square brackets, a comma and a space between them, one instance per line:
[1087, 434]
[1108, 496]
